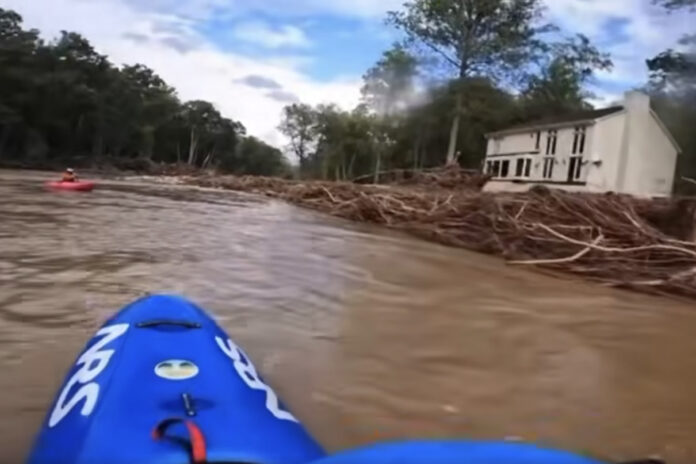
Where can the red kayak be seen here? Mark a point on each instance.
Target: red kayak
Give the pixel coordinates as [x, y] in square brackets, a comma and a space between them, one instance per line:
[79, 186]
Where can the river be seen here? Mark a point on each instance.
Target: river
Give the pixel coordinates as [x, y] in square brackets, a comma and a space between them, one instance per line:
[366, 334]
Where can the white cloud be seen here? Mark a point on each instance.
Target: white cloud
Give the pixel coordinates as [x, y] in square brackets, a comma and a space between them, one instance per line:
[631, 30]
[164, 34]
[363, 9]
[261, 33]
[199, 70]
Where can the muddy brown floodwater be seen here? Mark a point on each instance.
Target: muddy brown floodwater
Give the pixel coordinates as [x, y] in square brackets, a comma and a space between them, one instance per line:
[366, 334]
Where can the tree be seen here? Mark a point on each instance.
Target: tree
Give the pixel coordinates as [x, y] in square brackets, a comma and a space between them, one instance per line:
[63, 102]
[298, 124]
[388, 86]
[675, 70]
[257, 158]
[388, 89]
[423, 135]
[559, 87]
[675, 4]
[201, 118]
[673, 88]
[493, 38]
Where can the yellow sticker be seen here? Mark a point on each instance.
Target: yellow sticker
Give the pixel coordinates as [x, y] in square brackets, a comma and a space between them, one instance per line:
[176, 369]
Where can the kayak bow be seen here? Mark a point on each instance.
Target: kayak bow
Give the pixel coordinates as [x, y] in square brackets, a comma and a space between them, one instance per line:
[78, 186]
[161, 383]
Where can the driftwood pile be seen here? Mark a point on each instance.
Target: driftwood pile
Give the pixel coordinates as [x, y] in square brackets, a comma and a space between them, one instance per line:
[447, 177]
[617, 240]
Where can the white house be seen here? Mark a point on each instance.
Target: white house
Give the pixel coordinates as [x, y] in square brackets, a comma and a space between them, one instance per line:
[622, 149]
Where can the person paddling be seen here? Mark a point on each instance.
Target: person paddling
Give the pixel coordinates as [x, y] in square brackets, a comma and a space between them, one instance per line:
[69, 175]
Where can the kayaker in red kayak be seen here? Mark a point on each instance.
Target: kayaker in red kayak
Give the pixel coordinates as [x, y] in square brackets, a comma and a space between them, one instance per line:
[70, 181]
[69, 175]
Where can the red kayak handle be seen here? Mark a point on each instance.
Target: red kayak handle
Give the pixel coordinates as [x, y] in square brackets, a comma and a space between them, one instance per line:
[195, 436]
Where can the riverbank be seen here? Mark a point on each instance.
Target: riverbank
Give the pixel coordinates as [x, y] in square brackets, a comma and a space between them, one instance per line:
[105, 166]
[644, 245]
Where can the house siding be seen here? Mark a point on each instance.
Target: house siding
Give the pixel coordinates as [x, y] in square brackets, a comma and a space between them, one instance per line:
[626, 151]
[510, 148]
[652, 161]
[604, 157]
[510, 144]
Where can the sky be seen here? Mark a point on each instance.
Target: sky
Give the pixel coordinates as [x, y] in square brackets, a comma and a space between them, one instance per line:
[253, 57]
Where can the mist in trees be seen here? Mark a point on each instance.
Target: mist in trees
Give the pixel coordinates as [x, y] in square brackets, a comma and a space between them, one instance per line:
[63, 103]
[474, 38]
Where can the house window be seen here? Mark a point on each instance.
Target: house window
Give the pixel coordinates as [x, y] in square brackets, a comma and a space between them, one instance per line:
[575, 168]
[496, 169]
[523, 167]
[519, 167]
[551, 142]
[505, 169]
[537, 145]
[489, 167]
[579, 140]
[548, 167]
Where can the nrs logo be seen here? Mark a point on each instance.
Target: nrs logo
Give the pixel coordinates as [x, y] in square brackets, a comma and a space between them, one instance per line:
[247, 372]
[91, 363]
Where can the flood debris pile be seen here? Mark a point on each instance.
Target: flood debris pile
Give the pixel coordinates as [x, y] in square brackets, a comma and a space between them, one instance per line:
[444, 177]
[617, 240]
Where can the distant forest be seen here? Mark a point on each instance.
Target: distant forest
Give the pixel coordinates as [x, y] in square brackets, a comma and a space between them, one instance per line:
[464, 68]
[62, 102]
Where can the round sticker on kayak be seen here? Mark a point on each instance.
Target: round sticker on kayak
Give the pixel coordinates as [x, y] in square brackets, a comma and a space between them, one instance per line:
[176, 369]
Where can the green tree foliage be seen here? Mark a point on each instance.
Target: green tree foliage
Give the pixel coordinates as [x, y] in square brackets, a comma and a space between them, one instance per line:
[405, 121]
[298, 124]
[676, 4]
[559, 86]
[256, 158]
[673, 87]
[343, 145]
[62, 102]
[474, 38]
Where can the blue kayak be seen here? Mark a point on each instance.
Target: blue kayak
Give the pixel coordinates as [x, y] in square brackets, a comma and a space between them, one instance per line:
[158, 376]
[161, 383]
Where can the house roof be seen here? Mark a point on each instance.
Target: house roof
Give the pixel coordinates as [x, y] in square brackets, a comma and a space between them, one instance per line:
[563, 119]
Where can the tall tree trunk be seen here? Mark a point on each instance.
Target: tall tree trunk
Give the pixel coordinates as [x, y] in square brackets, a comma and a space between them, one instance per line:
[350, 167]
[378, 167]
[208, 159]
[192, 146]
[416, 150]
[148, 143]
[454, 132]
